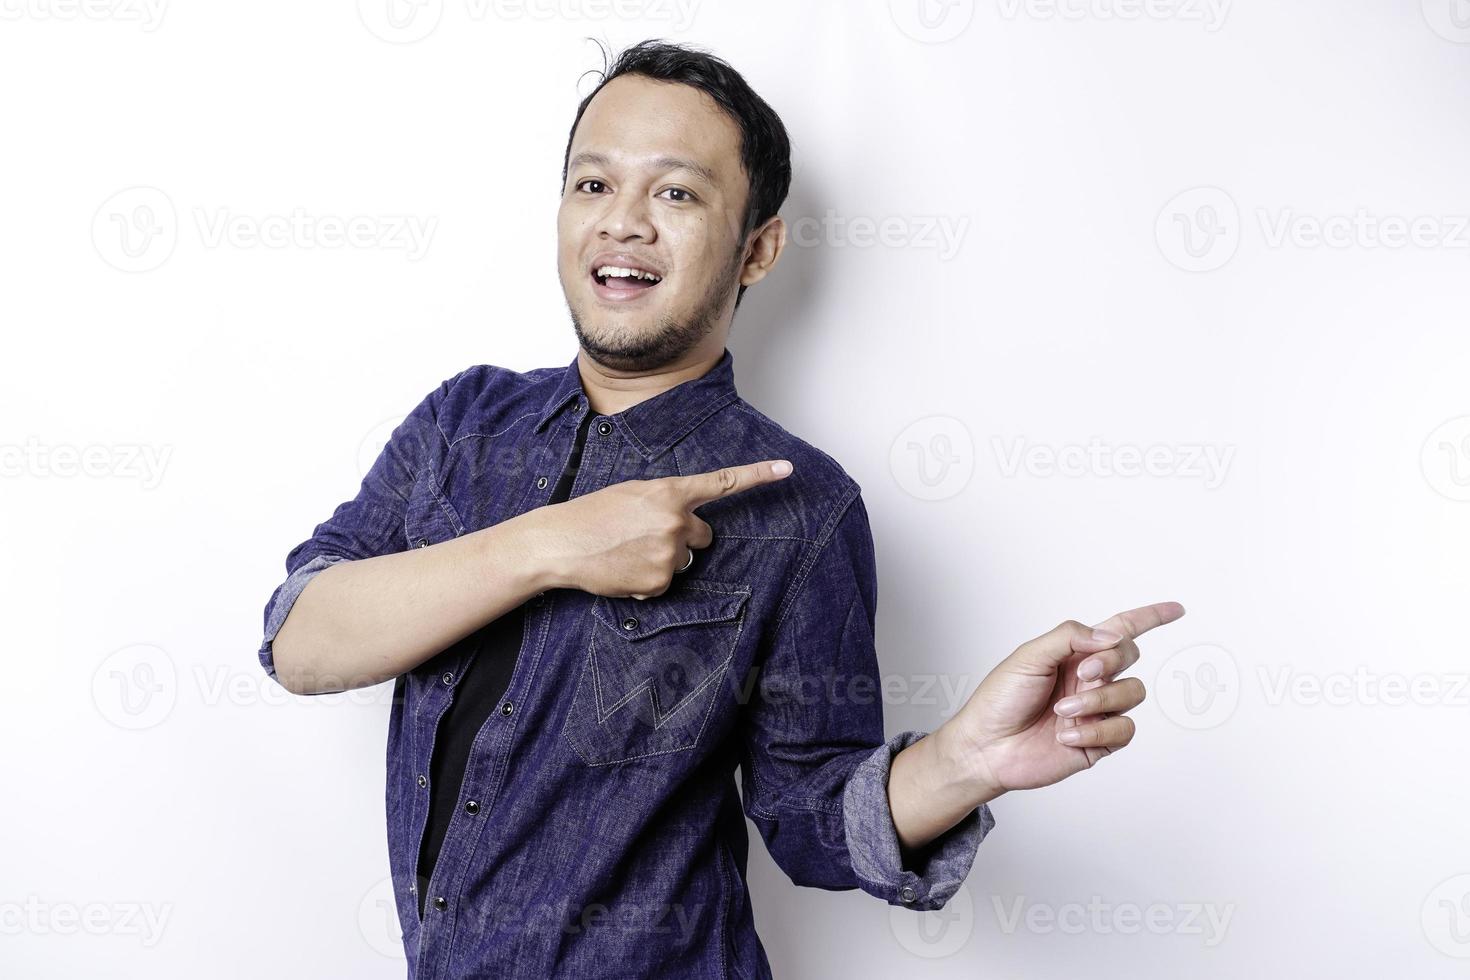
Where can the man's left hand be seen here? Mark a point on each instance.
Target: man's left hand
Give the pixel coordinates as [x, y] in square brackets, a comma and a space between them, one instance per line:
[1054, 707]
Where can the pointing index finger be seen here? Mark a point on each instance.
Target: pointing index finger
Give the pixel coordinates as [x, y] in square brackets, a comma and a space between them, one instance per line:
[701, 488]
[1136, 622]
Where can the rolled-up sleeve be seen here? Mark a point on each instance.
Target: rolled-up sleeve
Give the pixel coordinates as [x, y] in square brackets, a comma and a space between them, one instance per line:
[369, 524]
[814, 759]
[939, 868]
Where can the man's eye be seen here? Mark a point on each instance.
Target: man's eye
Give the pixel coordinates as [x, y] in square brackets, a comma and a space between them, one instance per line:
[589, 180]
[679, 190]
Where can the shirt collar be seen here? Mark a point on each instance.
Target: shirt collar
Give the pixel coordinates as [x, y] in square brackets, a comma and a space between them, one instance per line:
[656, 423]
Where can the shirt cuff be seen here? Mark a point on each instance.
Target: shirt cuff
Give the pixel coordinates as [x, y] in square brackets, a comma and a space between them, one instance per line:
[281, 603]
[872, 840]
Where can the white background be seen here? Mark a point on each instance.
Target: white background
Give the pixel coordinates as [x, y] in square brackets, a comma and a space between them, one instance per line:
[1233, 230]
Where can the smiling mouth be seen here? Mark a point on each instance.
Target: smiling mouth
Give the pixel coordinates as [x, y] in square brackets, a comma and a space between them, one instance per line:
[614, 283]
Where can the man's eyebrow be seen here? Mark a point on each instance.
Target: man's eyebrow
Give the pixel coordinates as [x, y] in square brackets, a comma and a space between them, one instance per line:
[662, 163]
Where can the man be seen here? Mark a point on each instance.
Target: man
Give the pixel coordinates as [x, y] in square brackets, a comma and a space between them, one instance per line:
[600, 588]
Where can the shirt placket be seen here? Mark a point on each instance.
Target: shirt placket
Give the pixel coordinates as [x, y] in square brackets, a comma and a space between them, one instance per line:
[494, 745]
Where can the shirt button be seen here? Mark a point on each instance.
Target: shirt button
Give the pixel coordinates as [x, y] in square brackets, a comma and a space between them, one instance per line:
[540, 483]
[604, 427]
[423, 780]
[472, 808]
[423, 542]
[630, 623]
[440, 903]
[507, 708]
[907, 894]
[447, 678]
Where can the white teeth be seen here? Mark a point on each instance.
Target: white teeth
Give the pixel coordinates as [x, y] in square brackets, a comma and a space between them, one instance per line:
[609, 271]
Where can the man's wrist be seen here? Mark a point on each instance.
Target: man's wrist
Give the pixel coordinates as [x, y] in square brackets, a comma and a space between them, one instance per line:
[966, 765]
[536, 555]
[933, 784]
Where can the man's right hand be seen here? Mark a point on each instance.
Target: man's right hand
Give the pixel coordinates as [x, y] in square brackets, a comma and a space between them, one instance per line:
[631, 538]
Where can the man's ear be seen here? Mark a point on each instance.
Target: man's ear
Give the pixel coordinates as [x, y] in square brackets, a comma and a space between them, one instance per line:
[765, 248]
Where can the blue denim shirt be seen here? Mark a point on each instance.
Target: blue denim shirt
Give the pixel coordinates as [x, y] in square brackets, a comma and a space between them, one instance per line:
[600, 831]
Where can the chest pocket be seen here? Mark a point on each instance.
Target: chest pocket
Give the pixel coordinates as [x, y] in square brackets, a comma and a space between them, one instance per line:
[654, 670]
[428, 517]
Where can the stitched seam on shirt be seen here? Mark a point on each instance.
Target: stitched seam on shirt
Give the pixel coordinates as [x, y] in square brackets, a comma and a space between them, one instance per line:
[586, 665]
[453, 383]
[813, 553]
[726, 896]
[753, 799]
[419, 464]
[801, 579]
[662, 720]
[492, 435]
[719, 618]
[454, 521]
[648, 755]
[809, 803]
[492, 788]
[695, 423]
[717, 673]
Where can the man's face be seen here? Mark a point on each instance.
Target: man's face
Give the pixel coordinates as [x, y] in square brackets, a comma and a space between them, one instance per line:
[654, 182]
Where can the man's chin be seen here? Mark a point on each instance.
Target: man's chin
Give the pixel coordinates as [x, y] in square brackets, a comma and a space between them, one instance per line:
[638, 340]
[620, 345]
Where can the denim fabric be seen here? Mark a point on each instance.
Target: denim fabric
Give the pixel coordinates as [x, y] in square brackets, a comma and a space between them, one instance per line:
[607, 836]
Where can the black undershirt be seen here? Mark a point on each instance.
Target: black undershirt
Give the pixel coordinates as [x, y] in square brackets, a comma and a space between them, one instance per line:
[494, 649]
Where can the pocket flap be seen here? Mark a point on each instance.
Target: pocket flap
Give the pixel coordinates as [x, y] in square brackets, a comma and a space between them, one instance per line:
[428, 517]
[683, 604]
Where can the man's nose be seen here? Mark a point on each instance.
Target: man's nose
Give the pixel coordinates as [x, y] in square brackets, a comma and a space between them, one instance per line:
[627, 216]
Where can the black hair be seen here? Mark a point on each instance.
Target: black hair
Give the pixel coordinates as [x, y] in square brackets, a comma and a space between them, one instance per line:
[765, 149]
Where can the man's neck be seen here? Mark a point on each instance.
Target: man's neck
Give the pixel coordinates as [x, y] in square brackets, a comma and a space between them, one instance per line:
[611, 393]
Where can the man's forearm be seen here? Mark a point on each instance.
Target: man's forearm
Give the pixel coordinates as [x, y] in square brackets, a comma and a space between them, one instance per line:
[931, 787]
[359, 623]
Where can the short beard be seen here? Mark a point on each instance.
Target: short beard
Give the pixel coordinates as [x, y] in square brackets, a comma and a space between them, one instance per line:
[671, 341]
